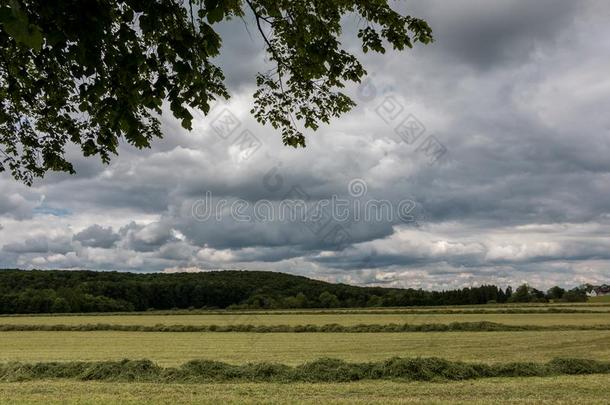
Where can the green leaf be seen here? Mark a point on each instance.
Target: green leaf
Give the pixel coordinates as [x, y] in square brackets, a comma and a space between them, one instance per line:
[215, 15]
[16, 24]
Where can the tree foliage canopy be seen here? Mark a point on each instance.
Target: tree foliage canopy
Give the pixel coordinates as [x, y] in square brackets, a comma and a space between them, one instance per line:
[89, 291]
[94, 72]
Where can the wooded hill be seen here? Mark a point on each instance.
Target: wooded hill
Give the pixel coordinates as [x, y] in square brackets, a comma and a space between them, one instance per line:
[36, 291]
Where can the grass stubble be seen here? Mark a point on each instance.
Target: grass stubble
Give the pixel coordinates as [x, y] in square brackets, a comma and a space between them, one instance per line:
[483, 356]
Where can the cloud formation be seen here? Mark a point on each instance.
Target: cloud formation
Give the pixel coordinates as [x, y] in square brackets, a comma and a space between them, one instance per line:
[516, 92]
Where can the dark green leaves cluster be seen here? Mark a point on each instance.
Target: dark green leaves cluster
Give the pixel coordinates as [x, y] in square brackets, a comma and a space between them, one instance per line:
[102, 75]
[95, 73]
[16, 23]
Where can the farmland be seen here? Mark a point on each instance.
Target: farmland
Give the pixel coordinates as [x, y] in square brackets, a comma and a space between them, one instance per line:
[168, 348]
[545, 319]
[601, 299]
[174, 349]
[562, 390]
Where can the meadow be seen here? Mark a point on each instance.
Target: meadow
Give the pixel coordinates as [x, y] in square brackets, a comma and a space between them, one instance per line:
[315, 318]
[520, 352]
[169, 348]
[590, 389]
[604, 299]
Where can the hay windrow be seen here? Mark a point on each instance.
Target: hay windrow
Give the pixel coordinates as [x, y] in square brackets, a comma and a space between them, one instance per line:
[482, 326]
[321, 370]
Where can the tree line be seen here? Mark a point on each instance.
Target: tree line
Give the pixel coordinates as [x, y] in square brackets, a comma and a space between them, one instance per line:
[57, 291]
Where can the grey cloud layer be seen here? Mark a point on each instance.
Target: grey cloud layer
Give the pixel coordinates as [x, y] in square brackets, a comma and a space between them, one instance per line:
[518, 93]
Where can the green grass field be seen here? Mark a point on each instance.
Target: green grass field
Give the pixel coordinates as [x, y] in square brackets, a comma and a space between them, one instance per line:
[169, 348]
[176, 348]
[592, 389]
[313, 318]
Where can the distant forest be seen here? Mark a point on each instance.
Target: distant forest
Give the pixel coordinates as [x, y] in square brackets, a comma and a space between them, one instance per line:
[57, 291]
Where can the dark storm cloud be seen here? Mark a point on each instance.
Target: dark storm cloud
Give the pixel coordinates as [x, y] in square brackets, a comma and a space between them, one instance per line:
[488, 35]
[97, 236]
[487, 254]
[16, 200]
[269, 255]
[242, 54]
[40, 244]
[146, 238]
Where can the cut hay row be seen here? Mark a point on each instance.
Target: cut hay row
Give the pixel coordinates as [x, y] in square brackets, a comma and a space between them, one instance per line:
[482, 326]
[322, 370]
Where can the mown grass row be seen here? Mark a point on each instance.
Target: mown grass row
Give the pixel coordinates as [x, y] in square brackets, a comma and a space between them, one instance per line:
[322, 370]
[482, 326]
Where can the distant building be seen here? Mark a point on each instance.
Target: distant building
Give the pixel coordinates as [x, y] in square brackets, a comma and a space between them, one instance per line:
[599, 291]
[603, 290]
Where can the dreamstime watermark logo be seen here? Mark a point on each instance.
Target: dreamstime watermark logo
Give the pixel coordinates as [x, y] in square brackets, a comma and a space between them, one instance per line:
[227, 127]
[298, 206]
[406, 126]
[357, 188]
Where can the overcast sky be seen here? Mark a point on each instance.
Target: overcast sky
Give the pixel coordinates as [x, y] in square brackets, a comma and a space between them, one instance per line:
[502, 156]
